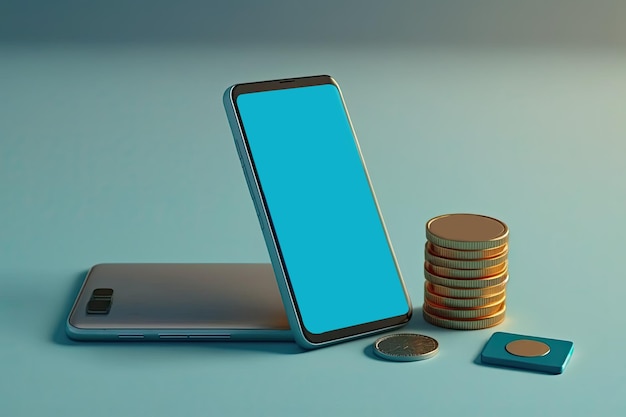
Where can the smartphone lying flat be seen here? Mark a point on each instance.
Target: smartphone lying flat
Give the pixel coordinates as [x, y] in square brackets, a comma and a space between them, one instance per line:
[179, 302]
[332, 257]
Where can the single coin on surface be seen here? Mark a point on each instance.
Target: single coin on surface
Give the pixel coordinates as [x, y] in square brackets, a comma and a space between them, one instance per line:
[406, 347]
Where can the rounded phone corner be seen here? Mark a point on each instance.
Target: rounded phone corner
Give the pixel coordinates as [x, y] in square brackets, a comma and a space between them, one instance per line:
[227, 96]
[98, 266]
[331, 80]
[409, 314]
[301, 340]
[73, 333]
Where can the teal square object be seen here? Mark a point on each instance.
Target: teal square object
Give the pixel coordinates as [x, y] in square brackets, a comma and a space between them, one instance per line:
[554, 362]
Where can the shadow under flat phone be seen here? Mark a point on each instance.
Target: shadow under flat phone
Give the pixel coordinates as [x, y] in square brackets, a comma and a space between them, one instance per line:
[179, 302]
[332, 257]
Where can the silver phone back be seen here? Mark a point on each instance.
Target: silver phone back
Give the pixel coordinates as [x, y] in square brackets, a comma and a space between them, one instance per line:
[182, 302]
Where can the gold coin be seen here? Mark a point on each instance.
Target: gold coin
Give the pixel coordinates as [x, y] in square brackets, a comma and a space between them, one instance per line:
[462, 302]
[458, 313]
[527, 348]
[467, 292]
[464, 263]
[467, 283]
[467, 231]
[443, 271]
[469, 324]
[466, 254]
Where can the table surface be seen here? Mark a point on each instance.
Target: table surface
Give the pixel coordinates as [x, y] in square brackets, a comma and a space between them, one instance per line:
[122, 153]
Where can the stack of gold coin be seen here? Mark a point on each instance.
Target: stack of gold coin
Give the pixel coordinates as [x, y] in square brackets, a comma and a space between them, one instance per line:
[466, 271]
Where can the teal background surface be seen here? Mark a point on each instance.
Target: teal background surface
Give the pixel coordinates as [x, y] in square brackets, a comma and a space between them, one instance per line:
[114, 147]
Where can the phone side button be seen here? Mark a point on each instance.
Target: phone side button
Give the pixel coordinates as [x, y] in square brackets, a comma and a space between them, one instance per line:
[130, 336]
[209, 337]
[258, 215]
[173, 336]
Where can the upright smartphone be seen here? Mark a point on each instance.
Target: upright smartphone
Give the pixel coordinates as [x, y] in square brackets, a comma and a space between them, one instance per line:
[333, 261]
[179, 302]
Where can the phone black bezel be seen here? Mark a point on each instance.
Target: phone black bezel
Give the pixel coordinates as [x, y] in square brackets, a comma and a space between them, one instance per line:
[315, 338]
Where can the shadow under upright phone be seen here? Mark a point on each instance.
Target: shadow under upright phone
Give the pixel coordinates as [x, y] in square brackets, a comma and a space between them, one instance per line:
[329, 247]
[179, 302]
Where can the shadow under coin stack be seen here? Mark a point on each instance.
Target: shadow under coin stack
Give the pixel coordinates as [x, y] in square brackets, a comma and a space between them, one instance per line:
[466, 271]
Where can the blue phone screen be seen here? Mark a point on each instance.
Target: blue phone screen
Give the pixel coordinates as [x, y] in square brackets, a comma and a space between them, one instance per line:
[326, 221]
